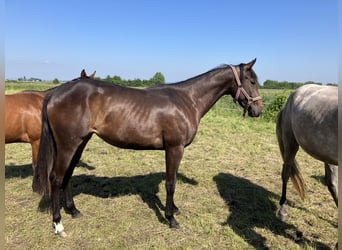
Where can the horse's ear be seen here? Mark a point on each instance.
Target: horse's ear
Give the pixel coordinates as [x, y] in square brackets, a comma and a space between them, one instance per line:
[250, 64]
[83, 74]
[92, 75]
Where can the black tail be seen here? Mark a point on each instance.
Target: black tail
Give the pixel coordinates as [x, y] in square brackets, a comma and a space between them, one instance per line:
[46, 155]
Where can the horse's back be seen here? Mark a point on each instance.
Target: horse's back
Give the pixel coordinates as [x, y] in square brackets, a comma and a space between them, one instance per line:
[311, 115]
[124, 117]
[317, 98]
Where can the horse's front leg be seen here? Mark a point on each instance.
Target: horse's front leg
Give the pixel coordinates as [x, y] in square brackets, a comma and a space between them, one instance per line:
[173, 158]
[331, 178]
[70, 207]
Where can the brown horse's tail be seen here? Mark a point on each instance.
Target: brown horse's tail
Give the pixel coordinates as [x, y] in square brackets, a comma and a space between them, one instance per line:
[292, 169]
[46, 155]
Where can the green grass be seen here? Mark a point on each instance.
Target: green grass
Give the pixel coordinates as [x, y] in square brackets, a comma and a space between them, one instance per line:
[12, 87]
[228, 190]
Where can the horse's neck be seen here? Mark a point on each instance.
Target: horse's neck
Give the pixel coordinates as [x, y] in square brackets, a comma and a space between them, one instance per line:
[207, 90]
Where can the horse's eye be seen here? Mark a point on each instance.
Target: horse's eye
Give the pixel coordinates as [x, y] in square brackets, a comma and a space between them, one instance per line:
[251, 81]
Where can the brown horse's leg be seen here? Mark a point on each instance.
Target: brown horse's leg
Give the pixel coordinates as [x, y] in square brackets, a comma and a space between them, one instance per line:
[173, 157]
[70, 207]
[35, 148]
[331, 178]
[60, 168]
[56, 183]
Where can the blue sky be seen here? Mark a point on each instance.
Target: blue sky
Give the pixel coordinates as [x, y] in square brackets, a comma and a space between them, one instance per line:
[293, 40]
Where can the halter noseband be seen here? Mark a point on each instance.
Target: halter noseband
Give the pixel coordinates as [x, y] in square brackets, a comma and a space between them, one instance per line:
[242, 90]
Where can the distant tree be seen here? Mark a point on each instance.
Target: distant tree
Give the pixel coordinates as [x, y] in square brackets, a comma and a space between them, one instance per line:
[108, 78]
[55, 81]
[158, 78]
[116, 80]
[312, 82]
[272, 84]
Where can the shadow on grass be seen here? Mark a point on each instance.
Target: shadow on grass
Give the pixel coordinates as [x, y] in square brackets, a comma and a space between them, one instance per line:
[18, 171]
[250, 206]
[146, 186]
[24, 171]
[320, 179]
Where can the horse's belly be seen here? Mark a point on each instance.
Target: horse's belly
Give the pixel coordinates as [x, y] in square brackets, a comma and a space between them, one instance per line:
[132, 138]
[16, 133]
[319, 143]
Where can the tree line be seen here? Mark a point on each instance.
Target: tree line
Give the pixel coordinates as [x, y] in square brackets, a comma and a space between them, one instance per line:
[272, 84]
[158, 78]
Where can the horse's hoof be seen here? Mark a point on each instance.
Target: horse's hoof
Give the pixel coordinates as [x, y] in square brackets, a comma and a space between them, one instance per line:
[176, 211]
[62, 234]
[283, 216]
[174, 224]
[59, 229]
[76, 214]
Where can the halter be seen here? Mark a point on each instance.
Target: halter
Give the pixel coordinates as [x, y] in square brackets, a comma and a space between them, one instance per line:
[240, 90]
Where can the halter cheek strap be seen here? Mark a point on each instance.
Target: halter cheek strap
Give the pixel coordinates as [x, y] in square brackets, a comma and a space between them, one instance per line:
[241, 89]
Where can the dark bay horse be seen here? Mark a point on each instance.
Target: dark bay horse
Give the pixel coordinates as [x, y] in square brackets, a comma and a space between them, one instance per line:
[309, 120]
[23, 117]
[164, 117]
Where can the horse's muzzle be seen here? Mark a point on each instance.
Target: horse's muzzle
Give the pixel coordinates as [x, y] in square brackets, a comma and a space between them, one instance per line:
[254, 110]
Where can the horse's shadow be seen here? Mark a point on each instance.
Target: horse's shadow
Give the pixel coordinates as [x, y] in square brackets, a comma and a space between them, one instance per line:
[146, 186]
[24, 171]
[250, 206]
[18, 171]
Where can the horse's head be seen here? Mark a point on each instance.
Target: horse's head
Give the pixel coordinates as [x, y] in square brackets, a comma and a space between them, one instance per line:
[246, 89]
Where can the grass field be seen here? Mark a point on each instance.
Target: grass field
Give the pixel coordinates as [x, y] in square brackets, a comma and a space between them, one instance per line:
[228, 190]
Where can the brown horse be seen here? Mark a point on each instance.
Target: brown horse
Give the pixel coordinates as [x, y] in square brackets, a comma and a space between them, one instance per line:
[164, 117]
[23, 117]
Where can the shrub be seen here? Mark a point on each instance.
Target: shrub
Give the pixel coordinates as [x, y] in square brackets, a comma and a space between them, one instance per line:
[271, 109]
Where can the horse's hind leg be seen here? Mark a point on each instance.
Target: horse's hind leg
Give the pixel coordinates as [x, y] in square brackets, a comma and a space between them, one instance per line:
[60, 169]
[331, 178]
[285, 175]
[288, 149]
[35, 149]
